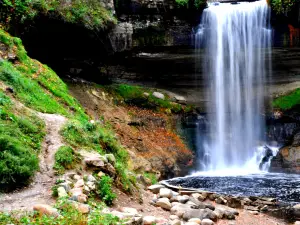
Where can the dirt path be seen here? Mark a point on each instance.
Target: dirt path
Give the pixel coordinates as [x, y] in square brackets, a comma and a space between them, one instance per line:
[39, 191]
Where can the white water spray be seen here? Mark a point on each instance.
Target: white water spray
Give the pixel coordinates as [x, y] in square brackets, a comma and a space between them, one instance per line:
[236, 38]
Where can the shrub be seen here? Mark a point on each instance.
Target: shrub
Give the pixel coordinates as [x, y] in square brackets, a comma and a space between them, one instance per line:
[65, 158]
[17, 164]
[152, 177]
[105, 190]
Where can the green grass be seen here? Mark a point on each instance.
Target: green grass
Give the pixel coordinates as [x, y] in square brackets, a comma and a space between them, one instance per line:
[134, 95]
[288, 101]
[65, 158]
[21, 134]
[69, 215]
[151, 177]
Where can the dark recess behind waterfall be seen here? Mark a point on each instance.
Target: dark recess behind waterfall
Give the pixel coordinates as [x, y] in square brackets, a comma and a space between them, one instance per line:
[64, 46]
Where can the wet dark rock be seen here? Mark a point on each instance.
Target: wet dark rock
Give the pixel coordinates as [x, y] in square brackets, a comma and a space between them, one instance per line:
[234, 202]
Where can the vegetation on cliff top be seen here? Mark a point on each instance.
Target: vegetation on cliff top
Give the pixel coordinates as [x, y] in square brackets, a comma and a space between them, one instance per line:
[40, 89]
[89, 13]
[282, 6]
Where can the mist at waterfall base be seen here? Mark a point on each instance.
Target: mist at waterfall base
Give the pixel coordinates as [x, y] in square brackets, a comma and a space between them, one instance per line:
[236, 39]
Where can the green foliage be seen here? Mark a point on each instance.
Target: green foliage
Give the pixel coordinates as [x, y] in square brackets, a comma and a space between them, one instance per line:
[17, 163]
[152, 177]
[197, 3]
[69, 215]
[105, 190]
[282, 6]
[20, 141]
[96, 217]
[65, 158]
[134, 95]
[288, 101]
[89, 13]
[28, 90]
[182, 2]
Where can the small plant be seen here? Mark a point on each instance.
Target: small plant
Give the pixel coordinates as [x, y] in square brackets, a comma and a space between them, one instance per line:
[65, 158]
[54, 191]
[96, 217]
[105, 190]
[152, 177]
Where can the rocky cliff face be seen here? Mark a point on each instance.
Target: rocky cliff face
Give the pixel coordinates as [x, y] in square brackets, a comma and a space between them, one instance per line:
[284, 130]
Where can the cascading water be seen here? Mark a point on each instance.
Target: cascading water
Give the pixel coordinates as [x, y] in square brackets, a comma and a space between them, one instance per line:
[236, 39]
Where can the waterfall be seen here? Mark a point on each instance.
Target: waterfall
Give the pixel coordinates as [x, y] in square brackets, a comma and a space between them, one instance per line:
[237, 39]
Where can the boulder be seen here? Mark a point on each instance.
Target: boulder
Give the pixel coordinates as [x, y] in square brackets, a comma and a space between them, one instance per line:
[183, 198]
[234, 202]
[296, 210]
[213, 196]
[95, 162]
[111, 158]
[200, 213]
[129, 210]
[165, 193]
[83, 208]
[164, 203]
[219, 212]
[207, 222]
[158, 95]
[61, 192]
[198, 196]
[195, 220]
[109, 169]
[76, 177]
[76, 191]
[180, 99]
[155, 188]
[191, 223]
[79, 183]
[65, 185]
[221, 200]
[82, 198]
[91, 178]
[149, 220]
[44, 209]
[191, 203]
[175, 222]
[174, 217]
[180, 209]
[91, 185]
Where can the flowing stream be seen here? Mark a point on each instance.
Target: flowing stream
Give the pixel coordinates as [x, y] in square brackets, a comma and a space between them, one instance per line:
[236, 38]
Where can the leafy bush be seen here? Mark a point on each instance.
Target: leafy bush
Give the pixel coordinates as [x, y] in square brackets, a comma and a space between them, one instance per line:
[65, 158]
[105, 190]
[282, 6]
[17, 164]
